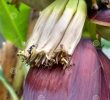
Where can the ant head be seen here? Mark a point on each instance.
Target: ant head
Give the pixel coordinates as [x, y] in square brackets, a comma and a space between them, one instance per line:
[31, 48]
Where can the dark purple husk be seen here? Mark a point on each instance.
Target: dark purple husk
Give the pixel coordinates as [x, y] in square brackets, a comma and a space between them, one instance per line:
[100, 17]
[105, 64]
[105, 93]
[80, 81]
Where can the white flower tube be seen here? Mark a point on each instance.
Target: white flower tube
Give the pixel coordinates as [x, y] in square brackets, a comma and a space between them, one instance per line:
[52, 20]
[60, 27]
[73, 33]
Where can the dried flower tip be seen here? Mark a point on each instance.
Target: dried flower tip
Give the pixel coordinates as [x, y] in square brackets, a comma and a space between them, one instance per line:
[23, 54]
[62, 57]
[94, 5]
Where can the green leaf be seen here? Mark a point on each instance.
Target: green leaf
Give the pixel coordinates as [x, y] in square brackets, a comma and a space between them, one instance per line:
[104, 31]
[89, 30]
[106, 47]
[105, 43]
[14, 22]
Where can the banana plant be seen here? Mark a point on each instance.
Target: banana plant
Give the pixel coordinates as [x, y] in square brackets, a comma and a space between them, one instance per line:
[65, 49]
[62, 61]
